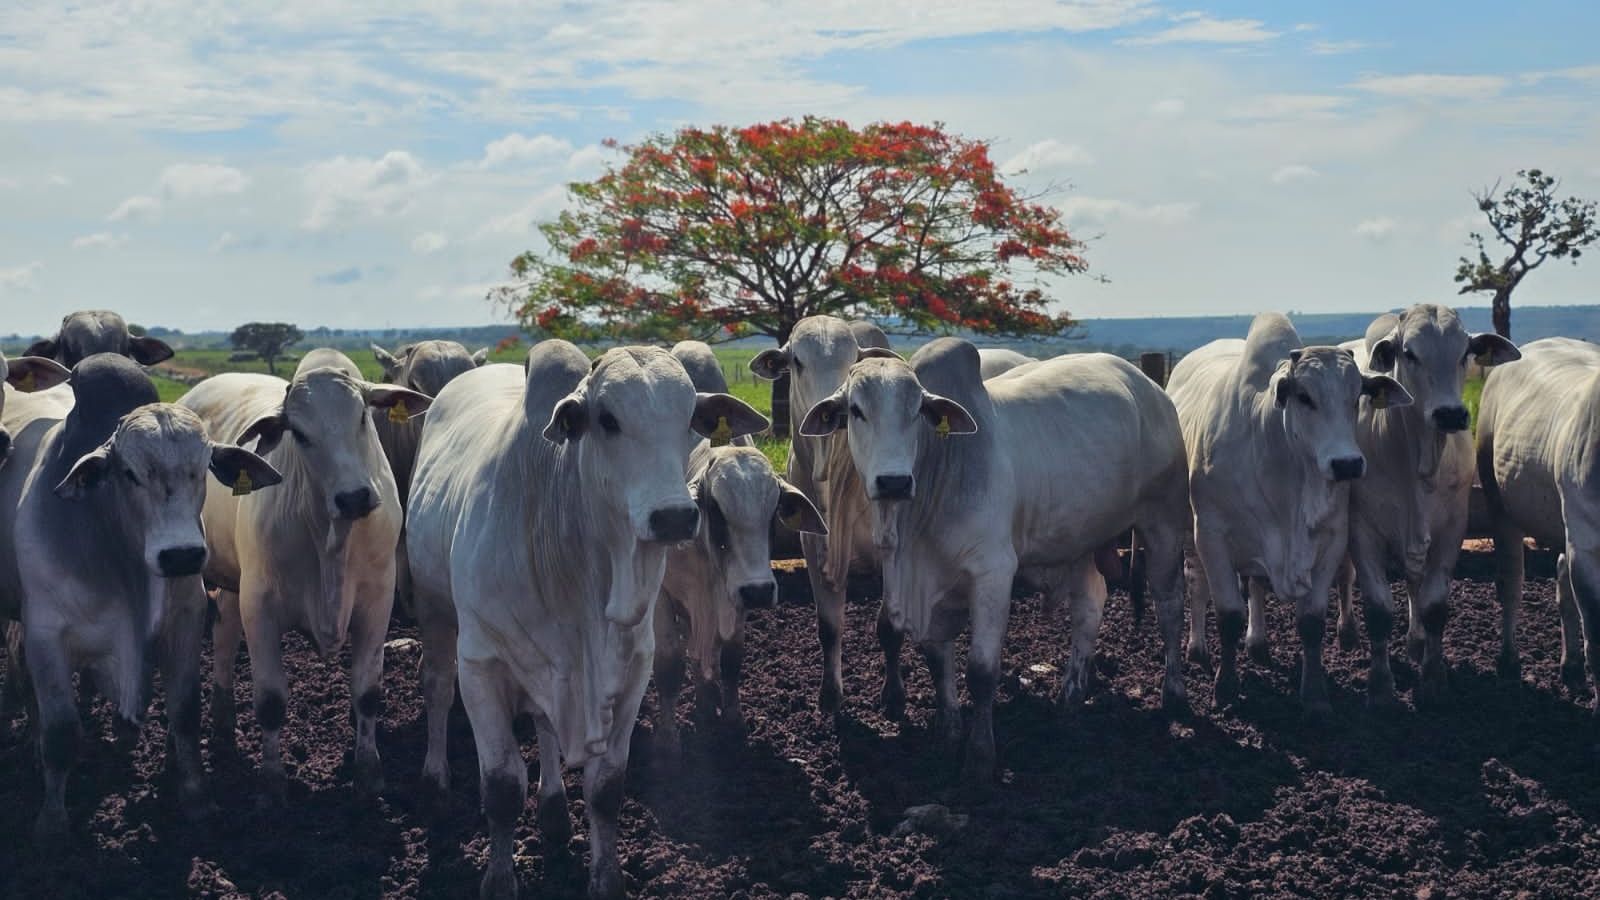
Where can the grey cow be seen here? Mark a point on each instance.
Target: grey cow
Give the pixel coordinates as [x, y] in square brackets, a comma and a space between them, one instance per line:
[118, 480]
[92, 331]
[24, 375]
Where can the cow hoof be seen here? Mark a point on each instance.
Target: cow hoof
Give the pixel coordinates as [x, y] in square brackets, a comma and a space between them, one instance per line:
[947, 726]
[1415, 648]
[1175, 702]
[1509, 666]
[1572, 676]
[433, 795]
[1433, 687]
[830, 698]
[668, 755]
[50, 827]
[1226, 690]
[498, 884]
[1348, 636]
[555, 826]
[1200, 655]
[1073, 696]
[274, 789]
[893, 698]
[606, 884]
[1381, 698]
[369, 777]
[977, 774]
[1316, 711]
[1259, 653]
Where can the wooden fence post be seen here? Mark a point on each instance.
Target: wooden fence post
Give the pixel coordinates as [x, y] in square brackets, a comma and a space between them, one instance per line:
[1155, 366]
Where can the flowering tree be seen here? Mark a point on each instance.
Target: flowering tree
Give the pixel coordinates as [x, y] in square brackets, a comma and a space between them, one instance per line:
[723, 232]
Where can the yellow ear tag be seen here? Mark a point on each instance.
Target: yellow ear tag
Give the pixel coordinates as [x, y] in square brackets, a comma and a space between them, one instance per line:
[242, 485]
[398, 414]
[27, 384]
[943, 427]
[723, 433]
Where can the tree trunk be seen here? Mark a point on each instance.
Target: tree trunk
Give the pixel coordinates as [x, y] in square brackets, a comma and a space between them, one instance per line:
[272, 368]
[780, 394]
[1500, 309]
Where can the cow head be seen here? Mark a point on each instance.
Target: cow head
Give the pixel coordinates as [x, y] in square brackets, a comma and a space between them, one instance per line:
[740, 497]
[886, 414]
[818, 357]
[629, 416]
[1317, 390]
[328, 415]
[88, 332]
[150, 477]
[26, 373]
[1427, 351]
[427, 366]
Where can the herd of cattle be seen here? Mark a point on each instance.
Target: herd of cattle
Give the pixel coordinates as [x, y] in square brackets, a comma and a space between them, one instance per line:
[566, 529]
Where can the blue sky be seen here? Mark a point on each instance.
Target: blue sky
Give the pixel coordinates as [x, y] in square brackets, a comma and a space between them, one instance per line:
[378, 164]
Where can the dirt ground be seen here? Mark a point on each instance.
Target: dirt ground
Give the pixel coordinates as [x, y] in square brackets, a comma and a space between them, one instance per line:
[1497, 795]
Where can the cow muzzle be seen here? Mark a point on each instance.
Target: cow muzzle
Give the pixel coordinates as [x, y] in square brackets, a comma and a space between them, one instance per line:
[1449, 419]
[671, 524]
[1347, 468]
[757, 596]
[178, 562]
[893, 487]
[356, 504]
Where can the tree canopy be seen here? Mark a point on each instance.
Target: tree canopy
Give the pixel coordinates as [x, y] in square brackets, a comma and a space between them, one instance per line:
[1533, 226]
[723, 232]
[266, 340]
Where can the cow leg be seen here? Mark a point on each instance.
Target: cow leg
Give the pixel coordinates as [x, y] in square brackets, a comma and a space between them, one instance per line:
[1255, 639]
[1508, 586]
[60, 730]
[1088, 589]
[1199, 593]
[1367, 558]
[1345, 586]
[225, 637]
[668, 670]
[554, 824]
[369, 625]
[732, 672]
[270, 688]
[991, 608]
[891, 640]
[1585, 567]
[1311, 621]
[602, 797]
[941, 659]
[1223, 582]
[180, 675]
[13, 681]
[436, 624]
[1163, 562]
[1430, 605]
[830, 622]
[502, 773]
[1571, 625]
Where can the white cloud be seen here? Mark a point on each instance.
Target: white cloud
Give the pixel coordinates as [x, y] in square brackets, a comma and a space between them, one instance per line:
[1168, 108]
[194, 180]
[1306, 26]
[100, 239]
[587, 158]
[1433, 87]
[346, 188]
[224, 241]
[540, 207]
[1337, 48]
[1195, 28]
[429, 242]
[1458, 230]
[1293, 172]
[9, 184]
[1286, 106]
[1377, 229]
[520, 148]
[58, 181]
[1100, 210]
[140, 207]
[1047, 155]
[19, 278]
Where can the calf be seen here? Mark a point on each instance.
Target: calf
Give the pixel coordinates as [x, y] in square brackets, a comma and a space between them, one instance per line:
[1539, 461]
[316, 555]
[119, 480]
[1411, 506]
[543, 508]
[956, 519]
[1270, 431]
[92, 331]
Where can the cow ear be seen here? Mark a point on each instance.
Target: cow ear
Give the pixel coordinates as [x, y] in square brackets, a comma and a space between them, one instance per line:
[480, 357]
[402, 403]
[877, 353]
[1491, 349]
[147, 351]
[722, 418]
[269, 428]
[1282, 388]
[86, 474]
[386, 360]
[825, 418]
[45, 348]
[1381, 358]
[242, 470]
[770, 364]
[1386, 393]
[33, 373]
[796, 511]
[568, 421]
[947, 416]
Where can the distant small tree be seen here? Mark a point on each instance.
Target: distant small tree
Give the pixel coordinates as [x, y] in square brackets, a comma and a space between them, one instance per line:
[266, 340]
[1534, 226]
[136, 330]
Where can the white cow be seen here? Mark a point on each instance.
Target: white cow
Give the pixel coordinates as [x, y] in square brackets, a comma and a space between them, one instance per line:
[1410, 508]
[22, 375]
[711, 580]
[817, 358]
[999, 360]
[1539, 461]
[316, 555]
[1270, 430]
[87, 332]
[955, 519]
[543, 507]
[117, 482]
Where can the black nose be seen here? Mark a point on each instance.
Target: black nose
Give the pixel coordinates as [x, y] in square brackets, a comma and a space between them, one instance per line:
[1348, 467]
[676, 523]
[757, 596]
[356, 504]
[894, 487]
[1450, 418]
[176, 562]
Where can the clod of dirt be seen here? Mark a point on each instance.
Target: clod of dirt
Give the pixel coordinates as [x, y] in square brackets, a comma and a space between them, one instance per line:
[932, 819]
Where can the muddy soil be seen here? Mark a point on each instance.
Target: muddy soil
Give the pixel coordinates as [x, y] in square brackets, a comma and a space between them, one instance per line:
[1497, 794]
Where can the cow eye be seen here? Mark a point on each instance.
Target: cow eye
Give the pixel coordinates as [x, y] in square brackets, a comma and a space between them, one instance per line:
[855, 412]
[1306, 401]
[798, 366]
[1410, 357]
[608, 422]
